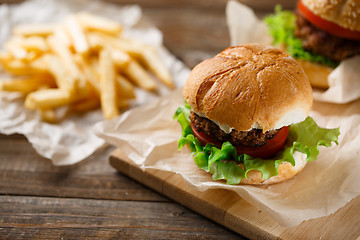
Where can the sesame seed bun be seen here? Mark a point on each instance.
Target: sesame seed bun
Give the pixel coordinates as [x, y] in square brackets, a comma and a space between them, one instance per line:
[345, 13]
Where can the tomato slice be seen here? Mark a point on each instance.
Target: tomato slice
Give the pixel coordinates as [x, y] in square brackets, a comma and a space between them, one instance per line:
[268, 150]
[325, 25]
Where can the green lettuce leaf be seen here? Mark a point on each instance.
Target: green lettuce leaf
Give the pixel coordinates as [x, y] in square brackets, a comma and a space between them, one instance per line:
[281, 27]
[305, 137]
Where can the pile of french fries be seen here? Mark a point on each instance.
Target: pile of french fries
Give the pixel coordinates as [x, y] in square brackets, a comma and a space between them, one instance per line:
[81, 63]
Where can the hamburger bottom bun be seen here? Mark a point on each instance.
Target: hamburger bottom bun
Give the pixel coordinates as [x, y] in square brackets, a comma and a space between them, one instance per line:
[317, 73]
[286, 171]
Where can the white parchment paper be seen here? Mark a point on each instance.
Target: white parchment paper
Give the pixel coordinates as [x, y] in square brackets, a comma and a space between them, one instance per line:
[72, 140]
[245, 27]
[148, 136]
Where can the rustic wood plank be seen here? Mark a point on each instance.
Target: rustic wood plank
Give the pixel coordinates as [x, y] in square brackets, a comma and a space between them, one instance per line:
[208, 5]
[12, 136]
[197, 30]
[55, 218]
[24, 172]
[230, 210]
[212, 204]
[94, 186]
[191, 41]
[31, 175]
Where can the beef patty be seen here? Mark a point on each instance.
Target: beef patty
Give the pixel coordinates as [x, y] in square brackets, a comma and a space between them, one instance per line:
[251, 138]
[323, 43]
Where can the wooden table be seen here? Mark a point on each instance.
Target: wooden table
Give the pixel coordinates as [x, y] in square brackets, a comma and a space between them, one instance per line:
[90, 199]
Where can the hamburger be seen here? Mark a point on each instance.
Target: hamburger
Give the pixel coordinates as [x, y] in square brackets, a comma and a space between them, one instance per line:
[245, 117]
[319, 34]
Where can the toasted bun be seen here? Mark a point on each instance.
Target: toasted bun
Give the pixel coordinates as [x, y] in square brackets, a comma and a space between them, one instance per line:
[286, 171]
[250, 86]
[317, 73]
[345, 13]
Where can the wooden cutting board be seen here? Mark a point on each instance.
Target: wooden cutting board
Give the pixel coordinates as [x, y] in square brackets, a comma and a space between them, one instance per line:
[233, 212]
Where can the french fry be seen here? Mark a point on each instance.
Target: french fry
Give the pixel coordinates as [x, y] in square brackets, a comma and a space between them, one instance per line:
[148, 56]
[91, 74]
[83, 91]
[31, 56]
[5, 57]
[62, 35]
[27, 85]
[89, 84]
[77, 35]
[63, 80]
[65, 55]
[15, 50]
[48, 115]
[18, 67]
[143, 52]
[121, 44]
[94, 63]
[93, 22]
[120, 59]
[34, 30]
[95, 42]
[47, 99]
[78, 65]
[69, 77]
[139, 76]
[124, 87]
[32, 43]
[85, 105]
[153, 62]
[122, 103]
[88, 101]
[77, 89]
[77, 81]
[107, 85]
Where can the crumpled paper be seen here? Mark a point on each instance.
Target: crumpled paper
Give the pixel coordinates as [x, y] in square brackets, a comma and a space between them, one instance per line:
[148, 135]
[245, 27]
[73, 140]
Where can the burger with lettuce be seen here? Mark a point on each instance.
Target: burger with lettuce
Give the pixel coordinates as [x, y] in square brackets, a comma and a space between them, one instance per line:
[319, 34]
[245, 118]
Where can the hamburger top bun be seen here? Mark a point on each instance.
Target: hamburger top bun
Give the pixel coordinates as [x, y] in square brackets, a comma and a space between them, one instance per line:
[250, 86]
[345, 13]
[286, 171]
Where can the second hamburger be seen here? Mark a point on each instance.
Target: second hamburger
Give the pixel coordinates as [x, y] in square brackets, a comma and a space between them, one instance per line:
[319, 34]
